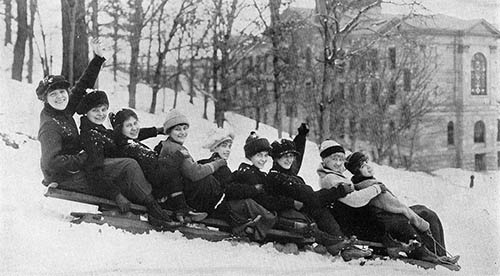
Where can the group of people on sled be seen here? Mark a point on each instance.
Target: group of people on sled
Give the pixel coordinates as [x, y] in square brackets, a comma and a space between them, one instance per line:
[115, 164]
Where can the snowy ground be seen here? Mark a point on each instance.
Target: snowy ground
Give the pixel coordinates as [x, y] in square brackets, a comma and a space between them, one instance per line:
[37, 237]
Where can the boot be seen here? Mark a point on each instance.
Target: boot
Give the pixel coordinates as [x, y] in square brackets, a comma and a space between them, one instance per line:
[352, 252]
[158, 216]
[184, 212]
[293, 226]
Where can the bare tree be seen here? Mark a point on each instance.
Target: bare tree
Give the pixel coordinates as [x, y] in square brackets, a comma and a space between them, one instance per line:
[33, 8]
[94, 5]
[75, 39]
[115, 10]
[20, 45]
[8, 21]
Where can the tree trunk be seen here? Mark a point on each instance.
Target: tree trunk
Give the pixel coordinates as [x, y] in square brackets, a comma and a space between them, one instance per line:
[191, 78]
[75, 40]
[93, 18]
[135, 40]
[8, 22]
[33, 7]
[22, 35]
[115, 45]
[274, 6]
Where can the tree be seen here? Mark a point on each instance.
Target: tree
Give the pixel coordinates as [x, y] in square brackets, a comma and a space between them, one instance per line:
[94, 17]
[33, 8]
[75, 39]
[115, 10]
[8, 22]
[20, 45]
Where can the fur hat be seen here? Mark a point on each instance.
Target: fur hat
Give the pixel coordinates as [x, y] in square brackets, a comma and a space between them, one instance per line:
[329, 147]
[254, 145]
[217, 137]
[174, 117]
[49, 83]
[354, 162]
[282, 147]
[91, 100]
[120, 117]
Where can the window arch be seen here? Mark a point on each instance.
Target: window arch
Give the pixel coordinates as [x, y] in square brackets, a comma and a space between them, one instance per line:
[451, 133]
[479, 132]
[478, 74]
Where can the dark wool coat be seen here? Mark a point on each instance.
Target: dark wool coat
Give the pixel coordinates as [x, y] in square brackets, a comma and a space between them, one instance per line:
[98, 143]
[162, 173]
[249, 176]
[58, 133]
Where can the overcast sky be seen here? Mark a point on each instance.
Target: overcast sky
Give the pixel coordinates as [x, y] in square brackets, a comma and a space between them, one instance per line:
[465, 9]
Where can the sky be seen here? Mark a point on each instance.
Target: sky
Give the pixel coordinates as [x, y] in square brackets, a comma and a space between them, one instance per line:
[465, 9]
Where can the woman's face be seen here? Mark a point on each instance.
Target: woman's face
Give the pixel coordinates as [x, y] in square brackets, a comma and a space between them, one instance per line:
[224, 149]
[366, 170]
[286, 160]
[259, 160]
[335, 162]
[131, 128]
[179, 133]
[98, 114]
[58, 99]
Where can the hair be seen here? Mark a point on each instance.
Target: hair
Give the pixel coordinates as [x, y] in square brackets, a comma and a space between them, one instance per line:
[120, 117]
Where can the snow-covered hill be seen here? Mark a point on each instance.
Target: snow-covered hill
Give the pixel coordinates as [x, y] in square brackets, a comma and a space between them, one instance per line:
[38, 239]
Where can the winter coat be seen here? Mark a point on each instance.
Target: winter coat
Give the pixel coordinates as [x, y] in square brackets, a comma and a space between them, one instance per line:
[62, 154]
[201, 189]
[249, 176]
[329, 179]
[287, 183]
[190, 169]
[162, 173]
[222, 174]
[98, 142]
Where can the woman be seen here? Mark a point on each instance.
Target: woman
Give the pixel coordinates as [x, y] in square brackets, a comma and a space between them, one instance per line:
[357, 217]
[101, 149]
[162, 173]
[284, 181]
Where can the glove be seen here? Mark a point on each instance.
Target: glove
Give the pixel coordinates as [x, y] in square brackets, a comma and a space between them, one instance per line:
[259, 187]
[160, 130]
[348, 187]
[303, 129]
[297, 205]
[123, 203]
[383, 188]
[219, 163]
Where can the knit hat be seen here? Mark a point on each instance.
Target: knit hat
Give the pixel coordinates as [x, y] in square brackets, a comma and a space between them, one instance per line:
[120, 117]
[49, 83]
[174, 117]
[254, 145]
[282, 147]
[217, 137]
[329, 147]
[91, 100]
[354, 162]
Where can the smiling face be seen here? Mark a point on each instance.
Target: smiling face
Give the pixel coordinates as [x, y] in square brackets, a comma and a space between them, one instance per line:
[259, 160]
[366, 170]
[131, 128]
[286, 160]
[98, 114]
[224, 149]
[335, 162]
[58, 99]
[179, 133]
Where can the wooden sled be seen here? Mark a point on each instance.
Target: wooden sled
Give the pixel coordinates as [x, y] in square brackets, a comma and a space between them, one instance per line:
[208, 229]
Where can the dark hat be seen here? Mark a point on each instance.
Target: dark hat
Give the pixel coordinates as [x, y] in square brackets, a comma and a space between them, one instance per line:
[91, 100]
[121, 116]
[254, 145]
[329, 147]
[49, 83]
[354, 162]
[282, 147]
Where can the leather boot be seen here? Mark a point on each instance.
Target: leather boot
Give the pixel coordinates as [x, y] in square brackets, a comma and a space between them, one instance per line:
[158, 216]
[183, 211]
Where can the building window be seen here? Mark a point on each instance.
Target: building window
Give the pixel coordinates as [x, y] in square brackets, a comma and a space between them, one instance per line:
[478, 74]
[392, 58]
[392, 93]
[407, 79]
[479, 132]
[498, 130]
[480, 162]
[451, 132]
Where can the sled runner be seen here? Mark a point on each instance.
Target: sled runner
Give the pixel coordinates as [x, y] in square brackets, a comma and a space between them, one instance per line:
[135, 222]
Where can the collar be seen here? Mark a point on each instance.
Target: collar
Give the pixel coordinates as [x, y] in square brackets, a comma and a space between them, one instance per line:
[86, 124]
[52, 111]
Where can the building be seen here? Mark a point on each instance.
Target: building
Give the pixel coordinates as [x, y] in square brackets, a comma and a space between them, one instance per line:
[464, 130]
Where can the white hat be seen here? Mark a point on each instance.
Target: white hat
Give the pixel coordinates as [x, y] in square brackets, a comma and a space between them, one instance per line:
[329, 147]
[217, 137]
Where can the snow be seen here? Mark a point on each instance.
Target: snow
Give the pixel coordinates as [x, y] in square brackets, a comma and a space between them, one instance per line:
[37, 238]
